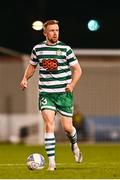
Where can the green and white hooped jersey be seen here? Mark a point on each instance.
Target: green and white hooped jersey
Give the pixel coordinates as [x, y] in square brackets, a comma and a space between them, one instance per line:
[56, 80]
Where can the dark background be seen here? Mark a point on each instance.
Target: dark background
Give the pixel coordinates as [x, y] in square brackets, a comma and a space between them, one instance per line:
[17, 17]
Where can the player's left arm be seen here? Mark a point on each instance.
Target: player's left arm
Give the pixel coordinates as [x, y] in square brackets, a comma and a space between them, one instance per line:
[76, 74]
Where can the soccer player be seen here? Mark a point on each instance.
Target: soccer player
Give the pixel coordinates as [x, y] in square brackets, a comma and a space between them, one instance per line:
[59, 71]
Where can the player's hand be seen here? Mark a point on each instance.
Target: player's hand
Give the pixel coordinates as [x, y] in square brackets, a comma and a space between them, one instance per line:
[69, 87]
[24, 84]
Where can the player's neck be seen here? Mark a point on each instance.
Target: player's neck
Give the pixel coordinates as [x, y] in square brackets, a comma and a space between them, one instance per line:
[50, 43]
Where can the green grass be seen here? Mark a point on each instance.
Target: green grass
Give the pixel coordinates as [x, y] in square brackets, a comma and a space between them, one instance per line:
[101, 161]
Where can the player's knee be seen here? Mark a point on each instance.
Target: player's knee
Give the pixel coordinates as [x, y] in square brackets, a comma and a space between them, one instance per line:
[49, 127]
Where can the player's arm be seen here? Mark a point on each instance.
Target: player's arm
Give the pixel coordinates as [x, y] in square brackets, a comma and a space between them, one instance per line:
[76, 74]
[28, 74]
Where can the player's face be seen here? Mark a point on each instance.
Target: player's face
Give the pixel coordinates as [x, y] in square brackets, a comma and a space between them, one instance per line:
[52, 33]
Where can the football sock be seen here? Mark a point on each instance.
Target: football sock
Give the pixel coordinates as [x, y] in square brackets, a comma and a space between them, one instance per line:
[50, 147]
[73, 137]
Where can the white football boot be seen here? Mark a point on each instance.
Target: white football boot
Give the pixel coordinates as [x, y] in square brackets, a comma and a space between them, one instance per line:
[52, 167]
[77, 154]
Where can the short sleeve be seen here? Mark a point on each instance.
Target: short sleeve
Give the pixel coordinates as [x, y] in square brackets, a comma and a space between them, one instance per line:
[34, 60]
[71, 58]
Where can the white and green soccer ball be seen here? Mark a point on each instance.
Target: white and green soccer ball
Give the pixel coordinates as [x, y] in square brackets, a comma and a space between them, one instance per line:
[35, 161]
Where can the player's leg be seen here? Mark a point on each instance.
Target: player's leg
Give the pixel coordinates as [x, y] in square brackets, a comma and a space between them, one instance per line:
[48, 117]
[65, 107]
[48, 109]
[72, 135]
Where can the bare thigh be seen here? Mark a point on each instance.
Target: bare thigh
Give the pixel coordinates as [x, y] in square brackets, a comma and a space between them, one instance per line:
[49, 120]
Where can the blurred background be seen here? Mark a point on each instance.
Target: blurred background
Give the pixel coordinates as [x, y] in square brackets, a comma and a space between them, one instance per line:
[92, 29]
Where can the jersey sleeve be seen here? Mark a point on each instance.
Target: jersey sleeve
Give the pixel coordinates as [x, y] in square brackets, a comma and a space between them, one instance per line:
[34, 60]
[71, 58]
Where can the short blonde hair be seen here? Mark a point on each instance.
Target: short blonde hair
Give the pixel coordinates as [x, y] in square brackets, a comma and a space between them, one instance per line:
[50, 22]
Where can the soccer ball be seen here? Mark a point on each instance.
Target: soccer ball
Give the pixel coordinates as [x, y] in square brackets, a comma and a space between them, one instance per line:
[35, 161]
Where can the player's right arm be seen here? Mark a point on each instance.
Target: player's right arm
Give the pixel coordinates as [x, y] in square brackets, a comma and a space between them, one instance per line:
[28, 74]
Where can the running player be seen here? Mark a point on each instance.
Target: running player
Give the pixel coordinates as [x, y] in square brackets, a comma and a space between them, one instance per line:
[59, 71]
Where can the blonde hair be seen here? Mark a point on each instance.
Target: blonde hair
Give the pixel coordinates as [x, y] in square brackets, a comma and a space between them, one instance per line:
[50, 22]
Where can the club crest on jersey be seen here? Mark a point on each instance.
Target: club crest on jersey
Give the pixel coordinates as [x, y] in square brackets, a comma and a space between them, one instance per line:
[58, 52]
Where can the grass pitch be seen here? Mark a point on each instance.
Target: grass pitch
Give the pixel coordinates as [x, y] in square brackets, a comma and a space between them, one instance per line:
[101, 161]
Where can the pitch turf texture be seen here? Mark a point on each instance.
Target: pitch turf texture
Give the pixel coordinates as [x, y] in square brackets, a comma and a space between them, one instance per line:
[100, 161]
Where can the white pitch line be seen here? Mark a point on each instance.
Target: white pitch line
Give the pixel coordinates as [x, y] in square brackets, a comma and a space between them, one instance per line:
[59, 164]
[12, 164]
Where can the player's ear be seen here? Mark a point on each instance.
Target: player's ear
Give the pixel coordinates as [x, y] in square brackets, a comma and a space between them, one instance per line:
[44, 32]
